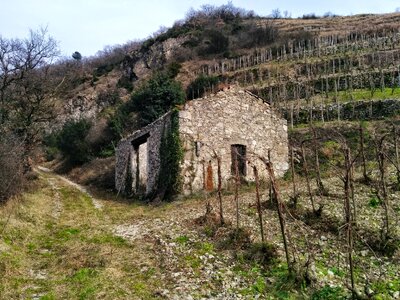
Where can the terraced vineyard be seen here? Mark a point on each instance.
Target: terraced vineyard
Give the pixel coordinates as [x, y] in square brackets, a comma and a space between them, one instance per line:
[314, 74]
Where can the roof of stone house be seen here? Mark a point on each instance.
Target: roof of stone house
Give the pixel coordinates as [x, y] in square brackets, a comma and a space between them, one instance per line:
[230, 89]
[146, 129]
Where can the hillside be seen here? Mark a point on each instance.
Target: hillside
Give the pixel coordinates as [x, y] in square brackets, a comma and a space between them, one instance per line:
[329, 229]
[279, 59]
[318, 69]
[306, 49]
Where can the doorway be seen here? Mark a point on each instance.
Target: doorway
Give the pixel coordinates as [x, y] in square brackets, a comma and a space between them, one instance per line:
[238, 155]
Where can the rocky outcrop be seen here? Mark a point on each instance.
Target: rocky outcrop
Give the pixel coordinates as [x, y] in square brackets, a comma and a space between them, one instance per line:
[140, 63]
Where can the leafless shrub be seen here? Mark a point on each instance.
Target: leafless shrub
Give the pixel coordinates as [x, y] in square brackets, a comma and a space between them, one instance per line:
[11, 166]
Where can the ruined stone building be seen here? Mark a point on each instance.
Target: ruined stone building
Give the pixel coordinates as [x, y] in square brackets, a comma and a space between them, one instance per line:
[232, 124]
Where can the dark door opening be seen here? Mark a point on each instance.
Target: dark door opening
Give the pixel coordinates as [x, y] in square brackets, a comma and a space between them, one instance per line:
[238, 154]
[139, 164]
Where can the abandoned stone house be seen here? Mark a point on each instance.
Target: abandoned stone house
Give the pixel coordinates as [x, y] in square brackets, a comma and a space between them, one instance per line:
[234, 125]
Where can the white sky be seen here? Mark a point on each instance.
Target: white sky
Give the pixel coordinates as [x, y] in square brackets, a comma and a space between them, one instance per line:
[89, 25]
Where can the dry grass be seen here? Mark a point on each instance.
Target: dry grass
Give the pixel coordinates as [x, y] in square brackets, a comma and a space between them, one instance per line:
[342, 25]
[57, 245]
[69, 254]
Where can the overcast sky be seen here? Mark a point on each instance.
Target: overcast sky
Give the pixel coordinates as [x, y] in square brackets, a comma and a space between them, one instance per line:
[89, 25]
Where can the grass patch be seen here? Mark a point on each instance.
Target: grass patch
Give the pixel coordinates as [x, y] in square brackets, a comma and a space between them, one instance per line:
[374, 202]
[182, 240]
[193, 261]
[84, 283]
[108, 239]
[329, 293]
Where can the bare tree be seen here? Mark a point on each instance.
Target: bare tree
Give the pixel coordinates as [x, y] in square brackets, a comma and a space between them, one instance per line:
[25, 84]
[276, 13]
[11, 167]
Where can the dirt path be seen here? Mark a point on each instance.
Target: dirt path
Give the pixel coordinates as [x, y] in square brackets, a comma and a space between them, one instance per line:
[62, 243]
[97, 204]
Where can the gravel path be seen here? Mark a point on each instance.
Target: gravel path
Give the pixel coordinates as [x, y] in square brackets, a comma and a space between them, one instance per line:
[97, 204]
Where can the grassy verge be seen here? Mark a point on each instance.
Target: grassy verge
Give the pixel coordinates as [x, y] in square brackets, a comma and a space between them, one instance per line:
[57, 245]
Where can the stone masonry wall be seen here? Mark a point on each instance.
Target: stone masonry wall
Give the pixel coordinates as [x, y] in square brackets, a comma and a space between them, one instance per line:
[149, 157]
[216, 122]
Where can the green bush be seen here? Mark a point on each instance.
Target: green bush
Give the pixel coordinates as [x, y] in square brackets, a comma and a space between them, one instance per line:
[197, 88]
[126, 83]
[261, 36]
[173, 69]
[71, 141]
[175, 31]
[122, 120]
[217, 42]
[50, 142]
[374, 202]
[329, 293]
[107, 151]
[156, 97]
[171, 155]
[103, 70]
[147, 44]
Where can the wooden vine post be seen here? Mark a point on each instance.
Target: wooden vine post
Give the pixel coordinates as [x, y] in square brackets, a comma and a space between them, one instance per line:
[219, 191]
[237, 184]
[381, 164]
[259, 210]
[396, 151]
[306, 173]
[362, 152]
[279, 206]
[320, 185]
[295, 195]
[348, 215]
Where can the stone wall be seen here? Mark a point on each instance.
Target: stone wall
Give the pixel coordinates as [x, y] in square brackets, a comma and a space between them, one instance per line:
[354, 110]
[138, 158]
[208, 128]
[215, 123]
